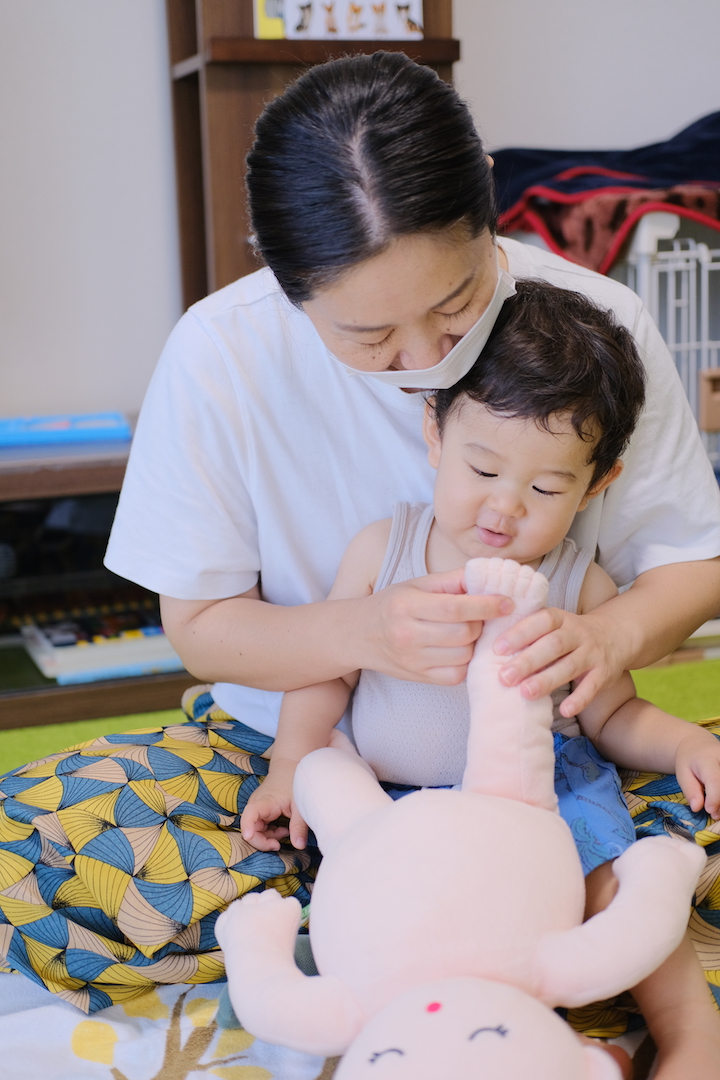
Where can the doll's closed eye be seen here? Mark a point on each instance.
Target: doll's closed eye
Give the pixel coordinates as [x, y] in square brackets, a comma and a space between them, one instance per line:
[499, 1030]
[393, 1050]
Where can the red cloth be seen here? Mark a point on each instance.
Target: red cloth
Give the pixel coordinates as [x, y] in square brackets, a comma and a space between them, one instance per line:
[591, 227]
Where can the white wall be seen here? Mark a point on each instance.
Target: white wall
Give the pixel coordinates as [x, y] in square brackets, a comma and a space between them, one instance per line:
[89, 278]
[587, 74]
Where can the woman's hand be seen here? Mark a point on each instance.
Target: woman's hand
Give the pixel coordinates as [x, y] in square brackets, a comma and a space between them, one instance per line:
[424, 630]
[553, 647]
[616, 634]
[272, 800]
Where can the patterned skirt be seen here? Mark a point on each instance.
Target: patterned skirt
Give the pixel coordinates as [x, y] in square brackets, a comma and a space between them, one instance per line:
[117, 856]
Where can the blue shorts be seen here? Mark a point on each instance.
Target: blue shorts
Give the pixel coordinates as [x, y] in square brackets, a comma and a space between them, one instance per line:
[590, 801]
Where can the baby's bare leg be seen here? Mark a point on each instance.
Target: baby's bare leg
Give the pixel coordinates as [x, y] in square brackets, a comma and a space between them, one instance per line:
[681, 1016]
[675, 1000]
[510, 746]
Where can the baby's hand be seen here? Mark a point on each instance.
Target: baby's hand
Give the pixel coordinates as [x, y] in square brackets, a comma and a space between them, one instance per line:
[697, 766]
[273, 799]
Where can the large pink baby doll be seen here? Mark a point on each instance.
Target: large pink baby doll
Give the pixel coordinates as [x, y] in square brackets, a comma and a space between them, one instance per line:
[457, 978]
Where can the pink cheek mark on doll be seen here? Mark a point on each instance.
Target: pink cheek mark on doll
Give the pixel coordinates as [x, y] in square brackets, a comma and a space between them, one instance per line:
[433, 1006]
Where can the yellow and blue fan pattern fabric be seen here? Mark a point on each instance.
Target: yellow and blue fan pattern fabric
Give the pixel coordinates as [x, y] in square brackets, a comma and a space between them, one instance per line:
[117, 856]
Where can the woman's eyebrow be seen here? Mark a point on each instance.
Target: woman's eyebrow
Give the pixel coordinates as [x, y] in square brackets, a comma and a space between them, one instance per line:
[456, 292]
[376, 329]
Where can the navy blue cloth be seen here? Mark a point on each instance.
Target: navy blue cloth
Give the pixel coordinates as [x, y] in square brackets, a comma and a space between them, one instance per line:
[691, 155]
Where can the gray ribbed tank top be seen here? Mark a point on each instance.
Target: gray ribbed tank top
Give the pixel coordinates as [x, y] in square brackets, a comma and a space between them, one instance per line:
[416, 733]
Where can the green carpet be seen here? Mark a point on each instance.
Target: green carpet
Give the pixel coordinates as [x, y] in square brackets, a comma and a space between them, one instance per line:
[21, 745]
[691, 691]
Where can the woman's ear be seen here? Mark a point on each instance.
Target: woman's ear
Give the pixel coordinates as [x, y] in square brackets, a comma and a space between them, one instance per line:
[431, 433]
[605, 481]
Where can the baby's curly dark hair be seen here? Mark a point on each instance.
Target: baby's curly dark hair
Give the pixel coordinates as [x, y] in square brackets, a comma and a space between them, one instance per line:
[553, 351]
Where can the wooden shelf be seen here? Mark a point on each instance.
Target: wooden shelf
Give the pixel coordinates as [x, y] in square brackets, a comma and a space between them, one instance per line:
[46, 472]
[115, 697]
[222, 79]
[56, 472]
[238, 50]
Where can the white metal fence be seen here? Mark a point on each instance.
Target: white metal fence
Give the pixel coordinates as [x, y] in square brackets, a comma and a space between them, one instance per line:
[679, 282]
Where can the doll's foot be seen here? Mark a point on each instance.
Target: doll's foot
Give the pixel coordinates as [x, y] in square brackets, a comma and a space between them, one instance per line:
[662, 859]
[505, 577]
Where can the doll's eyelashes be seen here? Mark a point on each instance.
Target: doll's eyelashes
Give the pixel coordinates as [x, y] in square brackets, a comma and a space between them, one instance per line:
[392, 1050]
[499, 1030]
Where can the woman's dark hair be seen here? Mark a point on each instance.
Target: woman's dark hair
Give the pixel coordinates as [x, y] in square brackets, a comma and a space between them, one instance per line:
[553, 351]
[356, 152]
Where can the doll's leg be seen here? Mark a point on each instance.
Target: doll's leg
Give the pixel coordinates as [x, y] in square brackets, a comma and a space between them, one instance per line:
[333, 788]
[510, 746]
[621, 945]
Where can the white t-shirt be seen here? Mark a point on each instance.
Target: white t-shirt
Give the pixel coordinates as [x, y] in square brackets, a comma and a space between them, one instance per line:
[257, 451]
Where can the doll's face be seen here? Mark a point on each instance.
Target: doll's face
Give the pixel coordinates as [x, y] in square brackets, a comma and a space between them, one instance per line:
[469, 1029]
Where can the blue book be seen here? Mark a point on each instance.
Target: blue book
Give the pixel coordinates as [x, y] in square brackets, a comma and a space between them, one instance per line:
[64, 428]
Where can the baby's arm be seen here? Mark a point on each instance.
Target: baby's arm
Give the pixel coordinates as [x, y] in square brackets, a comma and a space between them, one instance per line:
[309, 715]
[635, 734]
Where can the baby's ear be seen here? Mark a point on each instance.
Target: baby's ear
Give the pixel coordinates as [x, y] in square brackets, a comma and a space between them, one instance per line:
[431, 434]
[604, 482]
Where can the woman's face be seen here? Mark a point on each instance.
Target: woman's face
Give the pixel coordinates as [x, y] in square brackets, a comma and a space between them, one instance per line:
[405, 308]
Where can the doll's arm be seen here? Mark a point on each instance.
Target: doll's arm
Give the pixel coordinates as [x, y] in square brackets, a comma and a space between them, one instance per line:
[623, 944]
[270, 995]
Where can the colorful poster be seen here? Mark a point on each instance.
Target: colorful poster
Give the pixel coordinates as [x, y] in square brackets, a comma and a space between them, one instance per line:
[268, 18]
[347, 19]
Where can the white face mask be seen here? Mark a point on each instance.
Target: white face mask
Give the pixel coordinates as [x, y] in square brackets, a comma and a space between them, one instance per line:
[461, 357]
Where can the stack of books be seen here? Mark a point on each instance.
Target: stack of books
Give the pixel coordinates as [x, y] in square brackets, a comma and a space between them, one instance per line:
[89, 648]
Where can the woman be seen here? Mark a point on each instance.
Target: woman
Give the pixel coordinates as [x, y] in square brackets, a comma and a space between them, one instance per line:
[280, 420]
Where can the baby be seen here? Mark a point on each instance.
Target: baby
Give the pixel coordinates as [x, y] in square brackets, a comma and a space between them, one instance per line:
[523, 443]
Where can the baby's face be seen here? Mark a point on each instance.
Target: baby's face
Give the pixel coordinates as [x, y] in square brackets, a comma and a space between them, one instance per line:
[505, 486]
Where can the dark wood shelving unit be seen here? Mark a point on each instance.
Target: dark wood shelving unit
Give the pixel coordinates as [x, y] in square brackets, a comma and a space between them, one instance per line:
[88, 701]
[251, 51]
[55, 472]
[222, 79]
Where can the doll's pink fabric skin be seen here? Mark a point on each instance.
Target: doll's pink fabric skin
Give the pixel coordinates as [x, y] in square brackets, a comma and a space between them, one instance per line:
[472, 887]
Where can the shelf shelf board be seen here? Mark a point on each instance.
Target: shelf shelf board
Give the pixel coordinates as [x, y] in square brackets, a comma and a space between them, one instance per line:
[238, 50]
[66, 581]
[58, 704]
[42, 472]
